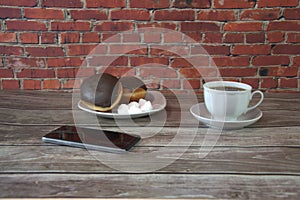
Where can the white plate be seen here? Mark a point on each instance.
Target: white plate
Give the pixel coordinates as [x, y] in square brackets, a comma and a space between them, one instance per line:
[200, 112]
[156, 98]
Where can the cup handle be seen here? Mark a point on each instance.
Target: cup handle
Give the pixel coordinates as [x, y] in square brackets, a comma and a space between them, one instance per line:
[260, 101]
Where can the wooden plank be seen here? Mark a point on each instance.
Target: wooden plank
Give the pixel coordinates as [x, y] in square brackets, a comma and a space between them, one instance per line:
[273, 118]
[149, 186]
[256, 160]
[37, 100]
[247, 137]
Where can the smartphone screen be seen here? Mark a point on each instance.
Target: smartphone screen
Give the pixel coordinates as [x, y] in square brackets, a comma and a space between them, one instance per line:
[93, 139]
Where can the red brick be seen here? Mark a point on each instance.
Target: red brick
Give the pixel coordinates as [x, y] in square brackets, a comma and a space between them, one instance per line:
[45, 52]
[159, 50]
[286, 49]
[255, 37]
[190, 62]
[10, 84]
[36, 73]
[152, 37]
[192, 4]
[139, 61]
[280, 71]
[6, 73]
[172, 37]
[10, 50]
[69, 37]
[234, 38]
[70, 26]
[28, 25]
[131, 38]
[292, 13]
[126, 14]
[114, 26]
[119, 71]
[105, 61]
[10, 12]
[88, 14]
[189, 72]
[157, 72]
[254, 82]
[90, 37]
[128, 49]
[66, 72]
[277, 3]
[64, 62]
[171, 83]
[296, 61]
[275, 36]
[293, 37]
[268, 83]
[288, 83]
[211, 50]
[164, 25]
[198, 72]
[43, 13]
[260, 14]
[149, 4]
[51, 84]
[233, 4]
[174, 15]
[229, 61]
[270, 60]
[193, 36]
[71, 84]
[27, 3]
[19, 63]
[29, 38]
[251, 49]
[85, 72]
[243, 26]
[31, 84]
[191, 84]
[105, 3]
[211, 37]
[216, 15]
[284, 26]
[200, 26]
[75, 50]
[111, 38]
[237, 72]
[6, 37]
[48, 38]
[62, 3]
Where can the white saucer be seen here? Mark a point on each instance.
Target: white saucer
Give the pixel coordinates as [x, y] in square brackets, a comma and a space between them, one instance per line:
[200, 112]
[156, 98]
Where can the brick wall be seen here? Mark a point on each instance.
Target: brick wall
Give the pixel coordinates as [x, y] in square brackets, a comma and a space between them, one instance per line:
[45, 43]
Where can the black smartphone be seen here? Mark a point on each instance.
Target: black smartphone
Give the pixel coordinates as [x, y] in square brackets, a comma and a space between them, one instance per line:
[93, 139]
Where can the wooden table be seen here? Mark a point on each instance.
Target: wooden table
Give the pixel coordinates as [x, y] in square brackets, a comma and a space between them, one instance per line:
[261, 161]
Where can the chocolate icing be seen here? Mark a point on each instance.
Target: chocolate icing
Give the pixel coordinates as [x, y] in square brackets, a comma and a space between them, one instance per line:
[132, 83]
[100, 89]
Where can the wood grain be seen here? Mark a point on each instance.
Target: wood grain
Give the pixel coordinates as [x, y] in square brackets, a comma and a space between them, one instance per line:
[261, 161]
[150, 186]
[256, 160]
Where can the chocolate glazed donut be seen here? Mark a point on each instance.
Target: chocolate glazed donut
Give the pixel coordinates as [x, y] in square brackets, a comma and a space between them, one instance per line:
[133, 89]
[101, 92]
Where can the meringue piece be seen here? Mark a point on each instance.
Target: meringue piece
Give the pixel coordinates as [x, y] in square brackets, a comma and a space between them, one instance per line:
[133, 104]
[135, 107]
[146, 107]
[142, 102]
[123, 109]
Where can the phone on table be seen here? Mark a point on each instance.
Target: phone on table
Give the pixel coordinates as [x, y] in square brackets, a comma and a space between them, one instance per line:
[93, 139]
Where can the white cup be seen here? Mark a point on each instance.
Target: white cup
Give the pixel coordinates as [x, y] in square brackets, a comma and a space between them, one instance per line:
[228, 105]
